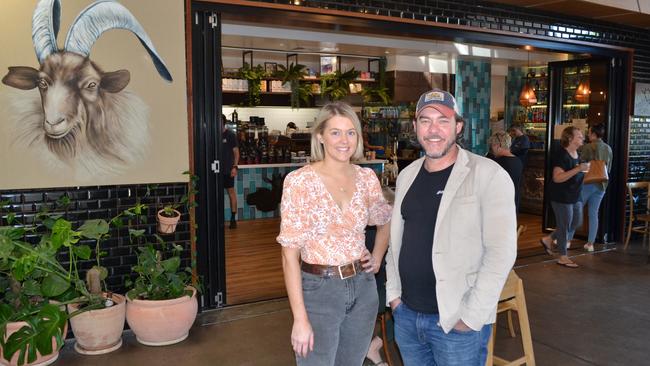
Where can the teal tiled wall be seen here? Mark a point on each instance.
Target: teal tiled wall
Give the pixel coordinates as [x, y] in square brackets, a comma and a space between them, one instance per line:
[249, 180]
[514, 83]
[473, 90]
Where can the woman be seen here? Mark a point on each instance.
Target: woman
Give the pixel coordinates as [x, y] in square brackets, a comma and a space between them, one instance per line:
[592, 194]
[500, 152]
[564, 190]
[325, 208]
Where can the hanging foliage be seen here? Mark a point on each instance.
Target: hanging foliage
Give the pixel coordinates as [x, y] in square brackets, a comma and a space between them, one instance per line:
[254, 76]
[293, 75]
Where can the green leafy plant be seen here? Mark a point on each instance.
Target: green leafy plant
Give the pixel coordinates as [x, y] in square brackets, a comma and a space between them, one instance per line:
[337, 85]
[29, 277]
[376, 94]
[187, 199]
[158, 278]
[254, 76]
[293, 75]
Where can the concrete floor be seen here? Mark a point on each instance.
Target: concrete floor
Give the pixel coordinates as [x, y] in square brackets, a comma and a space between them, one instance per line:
[597, 314]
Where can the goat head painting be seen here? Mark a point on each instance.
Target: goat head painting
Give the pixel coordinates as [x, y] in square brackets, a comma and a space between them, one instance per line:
[82, 116]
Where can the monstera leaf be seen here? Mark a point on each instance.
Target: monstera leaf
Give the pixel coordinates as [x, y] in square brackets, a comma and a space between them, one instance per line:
[36, 336]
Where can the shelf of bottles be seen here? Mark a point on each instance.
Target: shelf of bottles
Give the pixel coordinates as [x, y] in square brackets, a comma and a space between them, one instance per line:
[534, 117]
[256, 146]
[575, 93]
[388, 125]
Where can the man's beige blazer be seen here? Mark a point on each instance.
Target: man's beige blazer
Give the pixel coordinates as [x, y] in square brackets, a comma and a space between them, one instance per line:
[474, 244]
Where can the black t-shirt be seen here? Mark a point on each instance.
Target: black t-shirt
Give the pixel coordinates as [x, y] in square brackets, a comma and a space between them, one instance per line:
[228, 142]
[519, 148]
[420, 210]
[515, 168]
[569, 191]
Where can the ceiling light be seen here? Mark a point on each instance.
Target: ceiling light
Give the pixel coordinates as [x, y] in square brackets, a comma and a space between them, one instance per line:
[527, 95]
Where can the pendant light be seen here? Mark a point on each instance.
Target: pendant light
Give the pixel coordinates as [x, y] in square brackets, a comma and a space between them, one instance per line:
[527, 96]
[583, 91]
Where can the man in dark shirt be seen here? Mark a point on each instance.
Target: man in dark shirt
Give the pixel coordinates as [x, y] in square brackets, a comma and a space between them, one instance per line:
[452, 244]
[520, 143]
[229, 160]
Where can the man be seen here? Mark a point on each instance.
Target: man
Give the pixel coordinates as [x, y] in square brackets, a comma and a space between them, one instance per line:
[229, 161]
[520, 143]
[453, 243]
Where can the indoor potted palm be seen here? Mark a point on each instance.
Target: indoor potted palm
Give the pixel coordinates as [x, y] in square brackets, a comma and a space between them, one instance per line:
[294, 74]
[337, 85]
[161, 305]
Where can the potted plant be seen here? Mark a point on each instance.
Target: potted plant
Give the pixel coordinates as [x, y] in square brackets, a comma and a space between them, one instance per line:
[32, 327]
[97, 318]
[337, 85]
[254, 76]
[293, 75]
[376, 94]
[168, 218]
[161, 305]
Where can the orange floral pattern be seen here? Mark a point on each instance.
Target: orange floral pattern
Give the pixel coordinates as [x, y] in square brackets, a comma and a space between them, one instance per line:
[313, 222]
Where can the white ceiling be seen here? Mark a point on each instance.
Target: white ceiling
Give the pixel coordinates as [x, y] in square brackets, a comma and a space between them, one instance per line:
[249, 36]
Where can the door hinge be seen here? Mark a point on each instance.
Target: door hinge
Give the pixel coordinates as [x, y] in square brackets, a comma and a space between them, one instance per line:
[214, 22]
[196, 18]
[216, 166]
[218, 299]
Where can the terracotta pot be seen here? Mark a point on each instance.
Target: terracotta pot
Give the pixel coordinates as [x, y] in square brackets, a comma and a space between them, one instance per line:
[167, 225]
[99, 331]
[40, 360]
[162, 322]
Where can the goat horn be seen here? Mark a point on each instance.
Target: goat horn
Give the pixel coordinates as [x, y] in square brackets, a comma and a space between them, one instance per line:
[105, 15]
[45, 27]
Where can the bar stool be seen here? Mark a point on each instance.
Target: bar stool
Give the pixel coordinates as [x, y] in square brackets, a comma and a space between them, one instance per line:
[512, 299]
[383, 317]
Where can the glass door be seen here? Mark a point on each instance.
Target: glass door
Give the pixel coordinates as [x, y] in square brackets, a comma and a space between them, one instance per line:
[578, 97]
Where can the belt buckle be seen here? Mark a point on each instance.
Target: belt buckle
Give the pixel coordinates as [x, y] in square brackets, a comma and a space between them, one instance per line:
[346, 268]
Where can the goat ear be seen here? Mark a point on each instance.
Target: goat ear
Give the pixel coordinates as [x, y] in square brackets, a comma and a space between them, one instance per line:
[21, 77]
[114, 82]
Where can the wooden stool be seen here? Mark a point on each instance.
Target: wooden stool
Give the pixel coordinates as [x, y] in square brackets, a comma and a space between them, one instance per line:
[513, 299]
[384, 337]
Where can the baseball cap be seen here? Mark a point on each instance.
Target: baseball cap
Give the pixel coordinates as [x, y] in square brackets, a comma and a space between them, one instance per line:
[440, 100]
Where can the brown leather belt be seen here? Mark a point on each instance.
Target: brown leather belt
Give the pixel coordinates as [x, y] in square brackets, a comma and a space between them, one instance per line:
[343, 271]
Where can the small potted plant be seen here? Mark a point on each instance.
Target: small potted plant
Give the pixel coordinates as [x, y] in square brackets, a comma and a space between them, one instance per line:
[161, 305]
[168, 218]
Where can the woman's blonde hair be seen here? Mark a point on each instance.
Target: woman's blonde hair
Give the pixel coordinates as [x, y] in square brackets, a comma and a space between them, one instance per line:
[567, 135]
[326, 113]
[501, 139]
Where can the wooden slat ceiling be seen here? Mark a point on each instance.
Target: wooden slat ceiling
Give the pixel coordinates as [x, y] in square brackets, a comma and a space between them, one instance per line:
[631, 13]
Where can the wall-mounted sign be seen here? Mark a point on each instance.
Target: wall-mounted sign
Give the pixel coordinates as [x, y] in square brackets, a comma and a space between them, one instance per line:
[642, 99]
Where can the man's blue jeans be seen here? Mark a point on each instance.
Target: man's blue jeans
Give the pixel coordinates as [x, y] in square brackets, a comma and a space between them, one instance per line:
[422, 342]
[592, 195]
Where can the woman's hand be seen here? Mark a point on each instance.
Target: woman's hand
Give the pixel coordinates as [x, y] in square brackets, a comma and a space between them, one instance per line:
[369, 263]
[302, 338]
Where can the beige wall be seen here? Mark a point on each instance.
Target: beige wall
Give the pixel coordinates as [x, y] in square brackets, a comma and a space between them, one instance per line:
[166, 154]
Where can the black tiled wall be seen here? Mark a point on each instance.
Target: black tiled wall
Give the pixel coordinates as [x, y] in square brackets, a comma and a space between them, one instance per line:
[104, 202]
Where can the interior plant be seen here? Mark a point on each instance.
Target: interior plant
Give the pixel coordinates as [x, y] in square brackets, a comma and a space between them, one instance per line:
[294, 74]
[376, 94]
[254, 76]
[161, 304]
[336, 86]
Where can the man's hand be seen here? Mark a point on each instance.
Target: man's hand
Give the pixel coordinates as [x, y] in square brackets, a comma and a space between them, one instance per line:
[395, 303]
[233, 172]
[302, 338]
[462, 327]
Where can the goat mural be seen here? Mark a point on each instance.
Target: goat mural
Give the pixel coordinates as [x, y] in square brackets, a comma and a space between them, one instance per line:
[82, 117]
